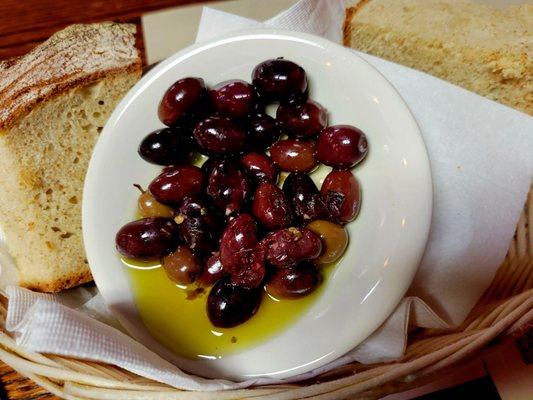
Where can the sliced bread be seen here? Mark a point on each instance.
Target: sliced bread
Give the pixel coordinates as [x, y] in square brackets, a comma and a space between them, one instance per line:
[483, 49]
[54, 102]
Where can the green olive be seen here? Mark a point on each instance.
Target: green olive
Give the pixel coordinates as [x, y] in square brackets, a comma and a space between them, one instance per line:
[334, 238]
[150, 207]
[182, 266]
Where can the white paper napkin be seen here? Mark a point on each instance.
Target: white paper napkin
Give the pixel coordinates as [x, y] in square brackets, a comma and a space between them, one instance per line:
[481, 156]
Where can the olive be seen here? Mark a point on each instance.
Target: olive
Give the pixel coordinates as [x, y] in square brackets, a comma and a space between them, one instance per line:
[259, 167]
[306, 199]
[168, 146]
[238, 238]
[213, 271]
[280, 80]
[292, 245]
[185, 99]
[182, 266]
[342, 195]
[234, 98]
[219, 135]
[271, 207]
[150, 207]
[227, 185]
[293, 282]
[147, 239]
[201, 234]
[341, 146]
[229, 305]
[293, 155]
[334, 238]
[262, 131]
[304, 120]
[174, 183]
[251, 269]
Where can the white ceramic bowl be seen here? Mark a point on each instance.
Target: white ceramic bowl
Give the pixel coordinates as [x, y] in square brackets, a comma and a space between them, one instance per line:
[387, 240]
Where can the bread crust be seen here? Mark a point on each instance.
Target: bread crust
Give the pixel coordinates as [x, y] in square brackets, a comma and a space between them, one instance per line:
[347, 26]
[77, 56]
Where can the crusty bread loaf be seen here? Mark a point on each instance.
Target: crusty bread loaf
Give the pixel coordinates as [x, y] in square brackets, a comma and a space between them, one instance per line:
[53, 104]
[486, 50]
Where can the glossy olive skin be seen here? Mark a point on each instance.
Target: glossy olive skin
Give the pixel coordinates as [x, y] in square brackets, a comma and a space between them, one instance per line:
[307, 202]
[293, 155]
[271, 207]
[280, 80]
[292, 245]
[342, 195]
[219, 135]
[229, 305]
[341, 146]
[181, 266]
[260, 167]
[185, 99]
[147, 239]
[334, 239]
[305, 120]
[238, 238]
[227, 185]
[150, 207]
[234, 98]
[167, 146]
[213, 271]
[293, 282]
[262, 131]
[174, 183]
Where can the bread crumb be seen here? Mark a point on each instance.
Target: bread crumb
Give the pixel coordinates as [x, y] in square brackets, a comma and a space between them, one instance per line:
[73, 200]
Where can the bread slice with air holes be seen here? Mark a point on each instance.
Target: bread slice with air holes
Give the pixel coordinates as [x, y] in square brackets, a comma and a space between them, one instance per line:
[482, 48]
[54, 102]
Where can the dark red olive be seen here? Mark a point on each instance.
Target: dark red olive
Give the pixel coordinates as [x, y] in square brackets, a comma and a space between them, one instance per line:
[307, 202]
[213, 271]
[229, 305]
[293, 155]
[280, 80]
[234, 98]
[174, 183]
[293, 282]
[227, 185]
[197, 205]
[239, 238]
[251, 270]
[219, 135]
[263, 130]
[168, 146]
[341, 146]
[200, 234]
[260, 167]
[183, 100]
[292, 245]
[342, 195]
[271, 207]
[147, 239]
[304, 120]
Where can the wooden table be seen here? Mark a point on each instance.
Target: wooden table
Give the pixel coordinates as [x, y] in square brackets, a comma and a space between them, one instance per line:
[23, 25]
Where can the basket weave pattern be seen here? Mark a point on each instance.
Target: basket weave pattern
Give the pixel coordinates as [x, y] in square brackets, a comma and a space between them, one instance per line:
[505, 307]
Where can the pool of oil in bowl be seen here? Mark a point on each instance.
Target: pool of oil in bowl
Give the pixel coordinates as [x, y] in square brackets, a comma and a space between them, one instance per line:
[176, 315]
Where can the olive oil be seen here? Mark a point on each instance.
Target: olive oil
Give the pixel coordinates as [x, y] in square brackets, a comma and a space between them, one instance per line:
[176, 315]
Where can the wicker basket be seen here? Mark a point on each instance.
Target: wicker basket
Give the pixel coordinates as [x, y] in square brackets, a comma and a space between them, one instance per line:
[506, 307]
